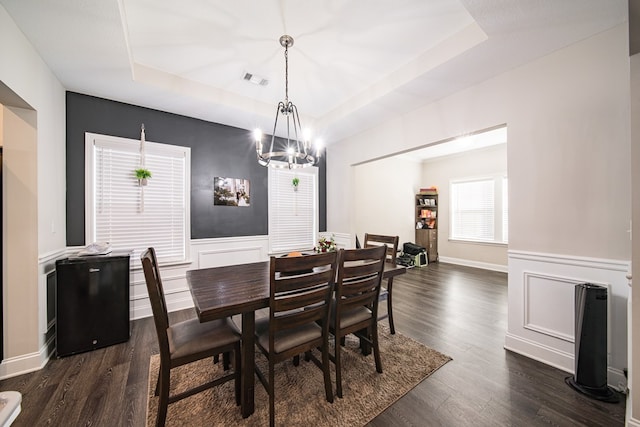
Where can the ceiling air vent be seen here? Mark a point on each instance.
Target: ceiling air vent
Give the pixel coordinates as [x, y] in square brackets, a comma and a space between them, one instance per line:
[256, 80]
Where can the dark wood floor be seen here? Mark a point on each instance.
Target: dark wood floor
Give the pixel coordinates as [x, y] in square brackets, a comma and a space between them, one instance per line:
[457, 310]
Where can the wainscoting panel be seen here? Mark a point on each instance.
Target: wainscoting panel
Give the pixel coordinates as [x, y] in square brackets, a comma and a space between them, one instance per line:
[229, 251]
[538, 305]
[205, 253]
[541, 322]
[176, 291]
[220, 257]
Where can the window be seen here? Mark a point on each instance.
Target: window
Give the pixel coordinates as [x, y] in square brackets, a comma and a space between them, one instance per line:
[293, 211]
[479, 210]
[134, 217]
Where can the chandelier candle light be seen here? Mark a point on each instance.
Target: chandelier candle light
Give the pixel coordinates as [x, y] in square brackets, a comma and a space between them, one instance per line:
[296, 153]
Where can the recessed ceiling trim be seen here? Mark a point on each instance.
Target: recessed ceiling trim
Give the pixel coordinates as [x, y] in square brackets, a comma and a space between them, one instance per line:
[125, 33]
[195, 89]
[463, 40]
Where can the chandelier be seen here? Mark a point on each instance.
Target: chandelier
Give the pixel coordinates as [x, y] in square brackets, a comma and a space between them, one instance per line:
[294, 150]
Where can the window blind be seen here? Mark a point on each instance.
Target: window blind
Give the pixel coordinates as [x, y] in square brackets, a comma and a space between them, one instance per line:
[293, 213]
[134, 217]
[472, 209]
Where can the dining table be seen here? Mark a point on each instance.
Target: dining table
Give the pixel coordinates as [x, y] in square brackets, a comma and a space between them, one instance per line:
[241, 289]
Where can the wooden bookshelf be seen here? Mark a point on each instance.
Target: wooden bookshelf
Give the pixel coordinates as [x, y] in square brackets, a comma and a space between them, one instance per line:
[426, 222]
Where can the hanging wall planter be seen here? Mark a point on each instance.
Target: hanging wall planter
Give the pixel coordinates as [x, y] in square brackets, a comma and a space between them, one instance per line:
[143, 175]
[295, 181]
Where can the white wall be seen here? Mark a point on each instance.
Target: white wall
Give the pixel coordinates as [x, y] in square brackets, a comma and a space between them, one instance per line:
[567, 115]
[35, 144]
[568, 146]
[20, 274]
[569, 150]
[25, 73]
[568, 165]
[439, 172]
[384, 202]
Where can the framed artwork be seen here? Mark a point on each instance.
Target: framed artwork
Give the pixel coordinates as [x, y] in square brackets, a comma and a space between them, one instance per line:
[231, 191]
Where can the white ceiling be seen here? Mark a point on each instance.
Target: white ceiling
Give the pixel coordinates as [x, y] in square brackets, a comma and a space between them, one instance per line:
[353, 64]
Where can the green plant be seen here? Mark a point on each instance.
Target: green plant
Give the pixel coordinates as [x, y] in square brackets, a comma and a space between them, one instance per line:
[295, 181]
[142, 173]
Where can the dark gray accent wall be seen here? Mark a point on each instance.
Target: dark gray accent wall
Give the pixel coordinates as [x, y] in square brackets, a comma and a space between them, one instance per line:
[216, 150]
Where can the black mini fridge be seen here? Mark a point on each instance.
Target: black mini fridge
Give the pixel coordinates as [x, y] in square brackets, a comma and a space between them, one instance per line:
[92, 302]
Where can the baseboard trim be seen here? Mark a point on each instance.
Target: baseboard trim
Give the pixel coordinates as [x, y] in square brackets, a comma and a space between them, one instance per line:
[23, 364]
[532, 350]
[615, 377]
[617, 380]
[632, 422]
[476, 264]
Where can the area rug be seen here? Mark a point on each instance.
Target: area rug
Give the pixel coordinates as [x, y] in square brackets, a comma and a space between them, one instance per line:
[299, 397]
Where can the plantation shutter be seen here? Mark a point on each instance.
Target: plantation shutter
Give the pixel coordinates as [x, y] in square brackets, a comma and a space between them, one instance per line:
[293, 213]
[472, 204]
[134, 217]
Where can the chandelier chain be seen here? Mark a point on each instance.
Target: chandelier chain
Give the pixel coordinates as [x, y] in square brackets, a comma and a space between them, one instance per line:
[286, 74]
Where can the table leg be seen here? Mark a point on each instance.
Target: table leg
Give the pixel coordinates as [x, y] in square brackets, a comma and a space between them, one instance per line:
[248, 363]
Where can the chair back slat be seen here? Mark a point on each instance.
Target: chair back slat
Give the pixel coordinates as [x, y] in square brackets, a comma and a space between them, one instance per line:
[360, 269]
[300, 263]
[293, 301]
[292, 281]
[291, 320]
[356, 300]
[391, 242]
[357, 287]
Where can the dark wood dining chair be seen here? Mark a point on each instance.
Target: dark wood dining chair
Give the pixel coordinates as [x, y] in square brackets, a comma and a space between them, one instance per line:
[391, 242]
[355, 307]
[300, 295]
[186, 342]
